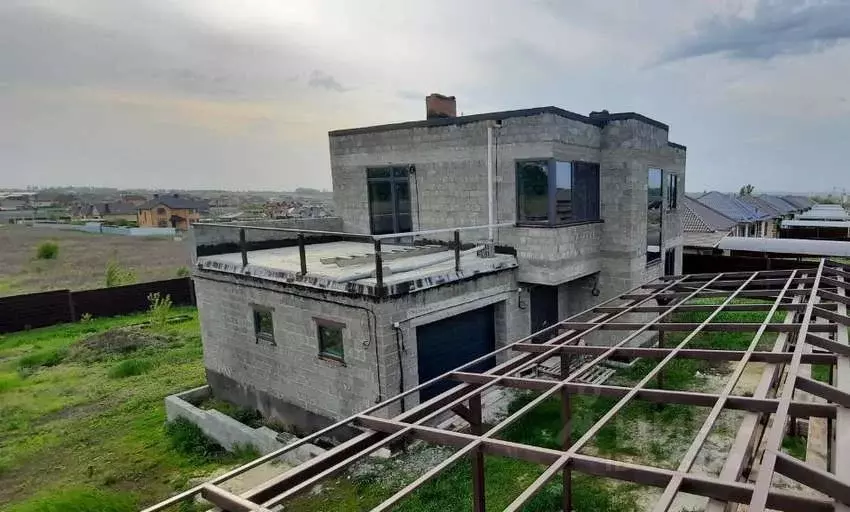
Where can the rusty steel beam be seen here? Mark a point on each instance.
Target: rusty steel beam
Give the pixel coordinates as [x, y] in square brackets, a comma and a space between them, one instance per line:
[686, 353]
[712, 327]
[690, 456]
[758, 503]
[785, 306]
[538, 484]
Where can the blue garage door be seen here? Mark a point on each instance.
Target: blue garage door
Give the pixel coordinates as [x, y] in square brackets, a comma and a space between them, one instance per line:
[452, 342]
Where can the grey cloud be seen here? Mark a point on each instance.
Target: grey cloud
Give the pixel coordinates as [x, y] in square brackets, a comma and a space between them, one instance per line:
[42, 47]
[776, 28]
[322, 80]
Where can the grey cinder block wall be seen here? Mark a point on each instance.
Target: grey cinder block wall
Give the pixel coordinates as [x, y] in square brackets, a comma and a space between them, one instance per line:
[449, 188]
[289, 381]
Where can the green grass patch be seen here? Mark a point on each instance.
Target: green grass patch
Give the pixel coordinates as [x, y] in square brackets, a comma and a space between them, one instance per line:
[188, 439]
[130, 368]
[795, 446]
[69, 425]
[80, 499]
[821, 372]
[45, 358]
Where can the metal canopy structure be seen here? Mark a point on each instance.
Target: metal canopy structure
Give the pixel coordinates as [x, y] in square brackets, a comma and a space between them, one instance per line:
[813, 330]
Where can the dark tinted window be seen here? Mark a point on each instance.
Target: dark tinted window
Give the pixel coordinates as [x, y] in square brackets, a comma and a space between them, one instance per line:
[654, 201]
[389, 200]
[533, 191]
[264, 324]
[330, 340]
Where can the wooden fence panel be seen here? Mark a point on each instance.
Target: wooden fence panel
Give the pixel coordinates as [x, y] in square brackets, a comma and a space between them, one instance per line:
[21, 312]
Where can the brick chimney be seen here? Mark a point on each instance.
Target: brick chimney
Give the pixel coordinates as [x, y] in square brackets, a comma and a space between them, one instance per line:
[437, 106]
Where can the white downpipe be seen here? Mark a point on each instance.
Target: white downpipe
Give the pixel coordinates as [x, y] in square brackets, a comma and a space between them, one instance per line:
[490, 213]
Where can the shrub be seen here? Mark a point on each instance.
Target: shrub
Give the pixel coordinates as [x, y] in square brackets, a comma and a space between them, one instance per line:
[188, 439]
[159, 309]
[183, 272]
[116, 275]
[47, 251]
[86, 318]
[129, 368]
[78, 500]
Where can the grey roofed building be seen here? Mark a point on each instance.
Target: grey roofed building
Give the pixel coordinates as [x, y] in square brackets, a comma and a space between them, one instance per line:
[801, 202]
[762, 206]
[175, 202]
[781, 205]
[116, 208]
[703, 227]
[732, 207]
[698, 217]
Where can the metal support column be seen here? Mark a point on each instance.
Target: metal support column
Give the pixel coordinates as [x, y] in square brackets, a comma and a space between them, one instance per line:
[476, 428]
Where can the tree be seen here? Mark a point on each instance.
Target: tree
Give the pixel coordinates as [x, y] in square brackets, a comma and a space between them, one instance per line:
[746, 190]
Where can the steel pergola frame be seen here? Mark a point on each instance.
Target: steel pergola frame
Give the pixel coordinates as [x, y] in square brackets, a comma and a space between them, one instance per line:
[814, 331]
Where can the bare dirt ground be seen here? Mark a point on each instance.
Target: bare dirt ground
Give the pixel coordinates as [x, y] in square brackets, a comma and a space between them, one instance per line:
[82, 259]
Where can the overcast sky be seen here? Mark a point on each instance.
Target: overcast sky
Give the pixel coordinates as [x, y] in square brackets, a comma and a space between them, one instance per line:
[240, 94]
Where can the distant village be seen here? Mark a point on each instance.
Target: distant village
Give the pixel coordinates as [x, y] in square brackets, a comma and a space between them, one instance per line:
[157, 209]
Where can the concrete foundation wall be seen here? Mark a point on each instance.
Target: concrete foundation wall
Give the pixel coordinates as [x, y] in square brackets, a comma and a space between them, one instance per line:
[230, 433]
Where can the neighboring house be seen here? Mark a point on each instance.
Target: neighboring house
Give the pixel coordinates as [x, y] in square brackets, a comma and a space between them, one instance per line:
[750, 221]
[703, 227]
[583, 208]
[763, 206]
[84, 211]
[134, 199]
[803, 203]
[821, 222]
[786, 209]
[17, 200]
[117, 210]
[173, 210]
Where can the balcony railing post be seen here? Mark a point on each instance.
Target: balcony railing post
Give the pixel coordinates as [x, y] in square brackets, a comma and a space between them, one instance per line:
[379, 268]
[243, 247]
[457, 250]
[302, 254]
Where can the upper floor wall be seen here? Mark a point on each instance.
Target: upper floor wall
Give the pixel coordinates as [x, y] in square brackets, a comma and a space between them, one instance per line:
[444, 162]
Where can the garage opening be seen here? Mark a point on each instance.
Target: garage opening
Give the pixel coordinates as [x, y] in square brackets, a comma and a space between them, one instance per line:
[449, 343]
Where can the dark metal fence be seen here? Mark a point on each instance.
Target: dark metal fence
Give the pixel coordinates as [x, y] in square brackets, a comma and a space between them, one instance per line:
[30, 311]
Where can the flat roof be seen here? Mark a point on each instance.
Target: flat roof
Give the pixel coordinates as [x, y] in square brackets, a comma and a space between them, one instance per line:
[349, 267]
[596, 119]
[786, 246]
[816, 223]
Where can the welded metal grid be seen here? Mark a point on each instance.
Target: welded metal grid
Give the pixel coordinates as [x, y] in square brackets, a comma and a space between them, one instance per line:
[814, 331]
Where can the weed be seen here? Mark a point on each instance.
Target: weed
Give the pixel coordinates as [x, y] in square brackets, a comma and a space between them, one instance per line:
[159, 309]
[43, 358]
[245, 452]
[79, 499]
[188, 439]
[86, 318]
[795, 446]
[116, 275]
[183, 271]
[47, 251]
[130, 368]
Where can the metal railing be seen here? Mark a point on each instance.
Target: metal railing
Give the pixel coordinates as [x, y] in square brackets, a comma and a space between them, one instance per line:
[303, 238]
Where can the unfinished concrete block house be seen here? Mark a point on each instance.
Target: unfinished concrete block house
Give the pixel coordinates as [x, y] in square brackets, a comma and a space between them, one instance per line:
[455, 237]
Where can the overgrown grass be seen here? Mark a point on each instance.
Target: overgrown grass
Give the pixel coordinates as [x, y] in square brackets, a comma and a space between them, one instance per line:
[130, 368]
[79, 499]
[820, 372]
[66, 425]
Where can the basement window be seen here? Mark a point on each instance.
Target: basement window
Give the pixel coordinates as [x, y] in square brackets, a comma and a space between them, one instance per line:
[556, 193]
[264, 325]
[330, 339]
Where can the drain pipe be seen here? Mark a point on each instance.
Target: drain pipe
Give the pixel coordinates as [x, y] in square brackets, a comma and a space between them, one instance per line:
[490, 213]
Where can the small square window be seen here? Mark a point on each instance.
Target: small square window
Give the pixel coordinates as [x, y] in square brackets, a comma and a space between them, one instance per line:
[330, 339]
[264, 325]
